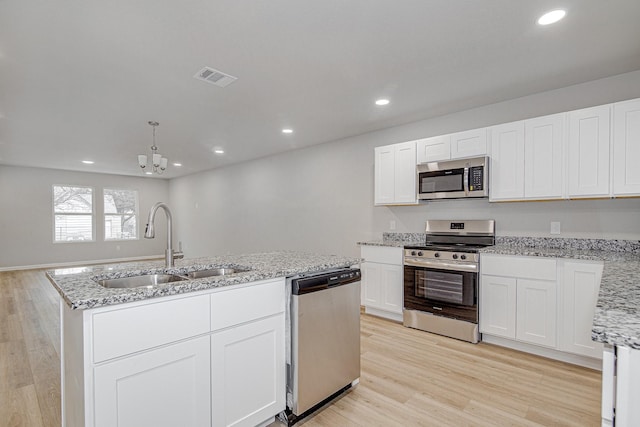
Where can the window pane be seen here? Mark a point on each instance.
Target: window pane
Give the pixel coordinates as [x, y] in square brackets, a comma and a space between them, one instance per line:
[73, 228]
[120, 227]
[120, 201]
[72, 199]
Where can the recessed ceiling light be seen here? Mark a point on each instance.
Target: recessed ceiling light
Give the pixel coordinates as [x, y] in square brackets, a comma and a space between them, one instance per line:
[148, 173]
[287, 130]
[552, 17]
[177, 164]
[218, 151]
[382, 102]
[88, 162]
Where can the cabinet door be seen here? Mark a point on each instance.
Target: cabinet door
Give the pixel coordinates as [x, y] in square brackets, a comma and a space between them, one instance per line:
[405, 173]
[469, 143]
[507, 162]
[588, 153]
[384, 180]
[248, 373]
[392, 288]
[543, 157]
[626, 147]
[498, 306]
[579, 296]
[434, 149]
[536, 312]
[371, 286]
[627, 412]
[169, 386]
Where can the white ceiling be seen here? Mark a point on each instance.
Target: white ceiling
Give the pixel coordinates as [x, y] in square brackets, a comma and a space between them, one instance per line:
[80, 79]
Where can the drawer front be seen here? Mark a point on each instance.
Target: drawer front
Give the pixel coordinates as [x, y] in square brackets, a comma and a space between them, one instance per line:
[382, 254]
[526, 267]
[239, 305]
[128, 330]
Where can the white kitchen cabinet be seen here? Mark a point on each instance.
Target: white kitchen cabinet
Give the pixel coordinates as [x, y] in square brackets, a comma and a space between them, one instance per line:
[536, 319]
[588, 152]
[506, 172]
[382, 281]
[626, 148]
[434, 149]
[177, 360]
[395, 174]
[580, 287]
[620, 386]
[469, 143]
[543, 151]
[247, 372]
[166, 387]
[498, 306]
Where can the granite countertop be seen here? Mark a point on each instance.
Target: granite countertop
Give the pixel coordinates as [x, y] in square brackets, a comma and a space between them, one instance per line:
[79, 289]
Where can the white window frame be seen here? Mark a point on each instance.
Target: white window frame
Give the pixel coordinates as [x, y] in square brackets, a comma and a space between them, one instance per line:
[92, 214]
[104, 215]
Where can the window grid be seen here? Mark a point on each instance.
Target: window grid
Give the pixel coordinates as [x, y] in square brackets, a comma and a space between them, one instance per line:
[73, 214]
[120, 214]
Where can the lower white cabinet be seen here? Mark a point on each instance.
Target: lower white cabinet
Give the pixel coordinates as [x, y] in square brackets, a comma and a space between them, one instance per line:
[382, 281]
[211, 358]
[545, 303]
[580, 287]
[620, 387]
[166, 387]
[247, 362]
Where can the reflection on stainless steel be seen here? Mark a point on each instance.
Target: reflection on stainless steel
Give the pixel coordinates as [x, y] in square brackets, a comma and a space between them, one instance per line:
[144, 281]
[214, 272]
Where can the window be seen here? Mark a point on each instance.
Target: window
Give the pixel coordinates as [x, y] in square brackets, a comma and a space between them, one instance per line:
[73, 214]
[120, 214]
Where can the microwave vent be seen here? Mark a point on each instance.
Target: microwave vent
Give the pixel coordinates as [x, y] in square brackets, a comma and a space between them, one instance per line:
[213, 76]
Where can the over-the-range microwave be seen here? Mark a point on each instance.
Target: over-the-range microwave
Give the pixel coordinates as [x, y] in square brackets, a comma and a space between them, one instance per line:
[454, 179]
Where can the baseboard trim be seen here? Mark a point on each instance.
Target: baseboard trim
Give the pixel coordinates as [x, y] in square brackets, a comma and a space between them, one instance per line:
[384, 313]
[78, 263]
[587, 362]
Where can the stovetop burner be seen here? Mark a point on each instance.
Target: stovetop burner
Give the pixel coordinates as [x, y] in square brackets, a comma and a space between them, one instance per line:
[448, 248]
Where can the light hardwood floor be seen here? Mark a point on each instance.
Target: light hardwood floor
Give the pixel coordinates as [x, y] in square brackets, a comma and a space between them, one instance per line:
[409, 377]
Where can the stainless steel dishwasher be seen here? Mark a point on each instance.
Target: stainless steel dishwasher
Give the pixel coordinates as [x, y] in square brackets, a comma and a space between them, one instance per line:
[323, 345]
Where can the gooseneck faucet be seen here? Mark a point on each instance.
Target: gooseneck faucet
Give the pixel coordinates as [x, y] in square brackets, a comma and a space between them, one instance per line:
[150, 233]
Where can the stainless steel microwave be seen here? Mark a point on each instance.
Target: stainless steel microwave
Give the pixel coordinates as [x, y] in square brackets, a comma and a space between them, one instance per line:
[454, 179]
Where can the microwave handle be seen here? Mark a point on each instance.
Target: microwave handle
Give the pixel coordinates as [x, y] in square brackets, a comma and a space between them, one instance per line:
[465, 182]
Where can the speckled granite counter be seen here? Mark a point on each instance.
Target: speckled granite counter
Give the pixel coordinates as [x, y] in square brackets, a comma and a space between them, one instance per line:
[617, 315]
[78, 286]
[397, 240]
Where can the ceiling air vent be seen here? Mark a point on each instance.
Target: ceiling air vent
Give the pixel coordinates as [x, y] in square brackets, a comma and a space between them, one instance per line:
[215, 77]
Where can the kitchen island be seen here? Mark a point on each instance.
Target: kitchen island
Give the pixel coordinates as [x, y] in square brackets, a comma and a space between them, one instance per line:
[207, 351]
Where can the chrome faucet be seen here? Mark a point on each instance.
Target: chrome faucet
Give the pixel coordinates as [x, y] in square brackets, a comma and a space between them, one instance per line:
[150, 233]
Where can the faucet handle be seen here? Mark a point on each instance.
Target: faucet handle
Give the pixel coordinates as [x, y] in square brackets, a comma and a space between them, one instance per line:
[178, 255]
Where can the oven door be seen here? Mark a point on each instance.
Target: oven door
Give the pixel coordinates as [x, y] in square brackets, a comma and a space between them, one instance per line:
[442, 292]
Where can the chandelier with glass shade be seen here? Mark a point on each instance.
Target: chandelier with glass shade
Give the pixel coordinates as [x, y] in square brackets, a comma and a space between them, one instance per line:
[158, 162]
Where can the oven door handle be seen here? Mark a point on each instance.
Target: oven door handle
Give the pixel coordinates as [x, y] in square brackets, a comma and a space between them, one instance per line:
[439, 265]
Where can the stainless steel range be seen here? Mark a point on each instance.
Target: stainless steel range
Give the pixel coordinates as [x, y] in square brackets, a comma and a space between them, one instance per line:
[441, 278]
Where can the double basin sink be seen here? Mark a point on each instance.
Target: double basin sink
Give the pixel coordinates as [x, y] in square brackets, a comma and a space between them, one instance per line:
[155, 280]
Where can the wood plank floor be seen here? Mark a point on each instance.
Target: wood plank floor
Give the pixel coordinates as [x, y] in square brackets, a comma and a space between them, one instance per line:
[408, 377]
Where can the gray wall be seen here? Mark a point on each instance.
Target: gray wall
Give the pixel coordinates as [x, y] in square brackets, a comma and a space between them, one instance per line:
[26, 219]
[320, 199]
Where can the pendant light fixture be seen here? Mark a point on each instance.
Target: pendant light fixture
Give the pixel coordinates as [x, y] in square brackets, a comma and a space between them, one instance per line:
[158, 162]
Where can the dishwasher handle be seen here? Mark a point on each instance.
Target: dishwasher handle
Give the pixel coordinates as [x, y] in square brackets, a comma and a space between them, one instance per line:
[321, 281]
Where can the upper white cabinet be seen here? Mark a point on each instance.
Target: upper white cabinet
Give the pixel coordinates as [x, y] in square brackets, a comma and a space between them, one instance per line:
[469, 143]
[434, 149]
[458, 145]
[588, 152]
[543, 157]
[626, 148]
[506, 172]
[395, 174]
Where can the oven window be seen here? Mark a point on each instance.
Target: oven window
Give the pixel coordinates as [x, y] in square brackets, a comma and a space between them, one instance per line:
[438, 182]
[440, 286]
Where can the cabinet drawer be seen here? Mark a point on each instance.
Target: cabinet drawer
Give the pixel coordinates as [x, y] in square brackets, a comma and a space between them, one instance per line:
[526, 267]
[240, 305]
[128, 330]
[382, 254]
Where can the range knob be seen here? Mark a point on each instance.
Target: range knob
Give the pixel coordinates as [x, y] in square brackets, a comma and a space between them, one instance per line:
[420, 253]
[463, 257]
[413, 253]
[454, 256]
[437, 255]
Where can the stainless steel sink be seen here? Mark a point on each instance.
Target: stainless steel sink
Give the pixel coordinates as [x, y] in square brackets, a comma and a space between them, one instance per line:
[214, 272]
[143, 281]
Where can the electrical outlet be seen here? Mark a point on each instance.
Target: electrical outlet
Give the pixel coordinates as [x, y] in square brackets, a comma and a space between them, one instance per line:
[392, 224]
[555, 227]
